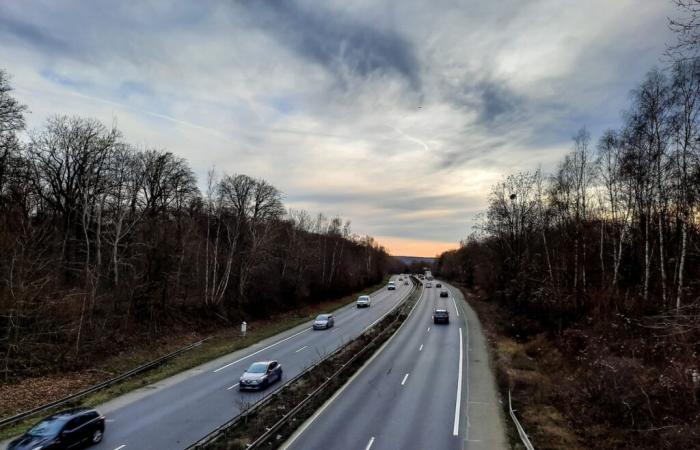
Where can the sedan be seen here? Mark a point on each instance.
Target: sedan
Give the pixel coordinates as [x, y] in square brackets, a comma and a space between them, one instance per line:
[260, 375]
[67, 429]
[441, 316]
[444, 293]
[324, 321]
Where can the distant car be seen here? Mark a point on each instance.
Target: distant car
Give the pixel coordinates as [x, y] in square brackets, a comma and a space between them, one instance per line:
[67, 429]
[441, 316]
[438, 284]
[391, 286]
[324, 321]
[428, 285]
[260, 375]
[444, 293]
[364, 301]
[406, 283]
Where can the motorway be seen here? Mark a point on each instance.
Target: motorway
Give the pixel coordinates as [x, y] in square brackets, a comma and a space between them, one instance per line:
[178, 411]
[429, 387]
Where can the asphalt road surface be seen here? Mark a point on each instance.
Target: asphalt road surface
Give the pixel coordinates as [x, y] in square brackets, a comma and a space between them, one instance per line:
[178, 411]
[430, 387]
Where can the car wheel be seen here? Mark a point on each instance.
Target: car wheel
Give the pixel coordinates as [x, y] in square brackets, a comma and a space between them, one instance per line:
[96, 437]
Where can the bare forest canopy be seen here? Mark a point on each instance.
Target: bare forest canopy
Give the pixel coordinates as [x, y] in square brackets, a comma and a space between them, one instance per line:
[99, 238]
[603, 256]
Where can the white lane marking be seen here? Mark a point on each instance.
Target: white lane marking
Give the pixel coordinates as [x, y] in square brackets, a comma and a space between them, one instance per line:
[263, 349]
[231, 387]
[405, 377]
[455, 428]
[428, 329]
[369, 444]
[328, 403]
[334, 330]
[378, 293]
[420, 349]
[456, 310]
[306, 346]
[120, 447]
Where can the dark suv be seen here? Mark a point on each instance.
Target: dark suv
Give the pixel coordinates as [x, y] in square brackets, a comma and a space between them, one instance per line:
[68, 429]
[444, 293]
[441, 316]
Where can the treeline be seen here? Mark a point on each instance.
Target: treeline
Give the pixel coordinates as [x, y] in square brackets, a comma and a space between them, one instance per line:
[602, 257]
[100, 239]
[614, 228]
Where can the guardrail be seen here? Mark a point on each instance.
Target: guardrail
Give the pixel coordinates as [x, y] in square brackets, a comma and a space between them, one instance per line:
[105, 384]
[217, 433]
[521, 431]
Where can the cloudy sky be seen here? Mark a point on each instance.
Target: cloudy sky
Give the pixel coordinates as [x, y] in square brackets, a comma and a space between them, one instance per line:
[397, 115]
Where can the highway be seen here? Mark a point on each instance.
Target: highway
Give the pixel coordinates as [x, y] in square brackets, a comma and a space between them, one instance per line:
[429, 387]
[178, 411]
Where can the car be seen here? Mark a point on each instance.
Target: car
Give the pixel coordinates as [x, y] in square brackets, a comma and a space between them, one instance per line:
[67, 429]
[364, 301]
[391, 286]
[260, 375]
[444, 293]
[441, 316]
[438, 284]
[324, 321]
[405, 283]
[428, 285]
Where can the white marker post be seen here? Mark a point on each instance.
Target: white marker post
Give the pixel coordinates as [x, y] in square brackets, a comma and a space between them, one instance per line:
[244, 327]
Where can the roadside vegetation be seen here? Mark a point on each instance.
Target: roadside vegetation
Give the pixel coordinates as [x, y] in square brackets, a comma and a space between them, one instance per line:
[593, 271]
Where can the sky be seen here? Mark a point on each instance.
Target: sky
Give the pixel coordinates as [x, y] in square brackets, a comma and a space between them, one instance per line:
[396, 115]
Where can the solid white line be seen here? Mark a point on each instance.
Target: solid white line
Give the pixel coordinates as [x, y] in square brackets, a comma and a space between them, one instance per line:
[328, 403]
[262, 349]
[455, 428]
[405, 377]
[120, 447]
[369, 445]
[428, 329]
[421, 348]
[456, 310]
[231, 387]
[306, 346]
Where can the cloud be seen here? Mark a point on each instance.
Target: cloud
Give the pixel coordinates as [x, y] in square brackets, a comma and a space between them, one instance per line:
[398, 115]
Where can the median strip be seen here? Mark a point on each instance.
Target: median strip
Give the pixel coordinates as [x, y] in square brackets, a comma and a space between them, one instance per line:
[267, 424]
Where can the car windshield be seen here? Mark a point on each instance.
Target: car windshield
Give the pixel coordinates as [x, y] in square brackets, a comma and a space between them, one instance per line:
[257, 368]
[364, 297]
[322, 317]
[47, 427]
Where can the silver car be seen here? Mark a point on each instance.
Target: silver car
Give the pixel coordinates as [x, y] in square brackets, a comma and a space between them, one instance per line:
[324, 321]
[260, 375]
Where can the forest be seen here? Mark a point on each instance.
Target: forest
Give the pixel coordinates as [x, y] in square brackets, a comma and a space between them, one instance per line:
[601, 255]
[101, 240]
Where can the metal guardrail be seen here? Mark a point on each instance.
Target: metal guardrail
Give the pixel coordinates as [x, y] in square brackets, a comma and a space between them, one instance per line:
[521, 431]
[218, 432]
[105, 384]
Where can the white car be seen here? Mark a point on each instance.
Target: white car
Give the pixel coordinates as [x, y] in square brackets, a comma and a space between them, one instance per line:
[364, 301]
[428, 285]
[391, 286]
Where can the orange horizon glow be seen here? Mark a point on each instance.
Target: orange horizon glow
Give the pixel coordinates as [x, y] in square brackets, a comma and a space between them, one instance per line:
[415, 247]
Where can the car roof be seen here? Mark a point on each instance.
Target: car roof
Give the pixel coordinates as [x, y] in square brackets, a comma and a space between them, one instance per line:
[440, 310]
[70, 413]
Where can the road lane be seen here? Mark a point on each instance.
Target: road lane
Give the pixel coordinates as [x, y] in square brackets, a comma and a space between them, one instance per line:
[410, 396]
[177, 412]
